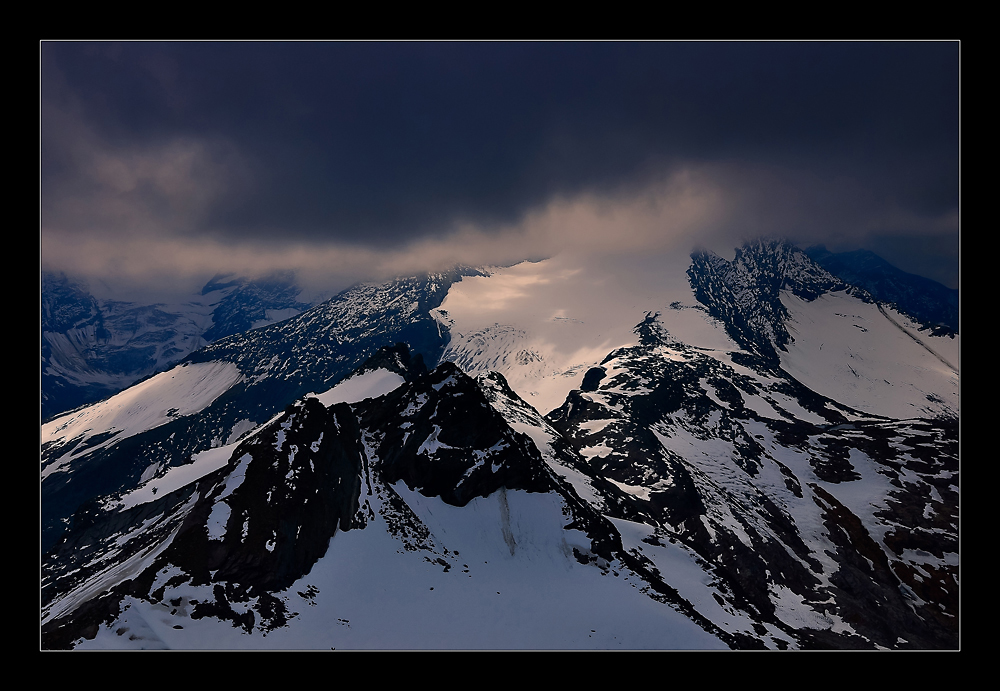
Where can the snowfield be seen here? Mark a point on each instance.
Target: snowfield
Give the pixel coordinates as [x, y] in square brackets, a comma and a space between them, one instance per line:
[359, 387]
[544, 324]
[519, 588]
[870, 358]
[183, 390]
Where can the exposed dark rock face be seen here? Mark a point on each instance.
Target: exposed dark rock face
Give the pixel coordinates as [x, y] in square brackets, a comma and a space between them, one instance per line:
[592, 379]
[250, 302]
[441, 437]
[299, 489]
[745, 293]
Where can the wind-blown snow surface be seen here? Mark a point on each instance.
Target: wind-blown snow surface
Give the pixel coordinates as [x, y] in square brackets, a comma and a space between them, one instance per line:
[183, 390]
[544, 324]
[870, 358]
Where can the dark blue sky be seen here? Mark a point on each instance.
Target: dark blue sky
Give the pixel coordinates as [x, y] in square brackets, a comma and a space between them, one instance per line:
[195, 153]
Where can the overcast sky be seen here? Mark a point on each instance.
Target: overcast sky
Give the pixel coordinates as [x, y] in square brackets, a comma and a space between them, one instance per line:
[165, 163]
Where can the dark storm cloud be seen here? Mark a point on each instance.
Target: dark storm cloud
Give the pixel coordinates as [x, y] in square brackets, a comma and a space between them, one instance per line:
[377, 145]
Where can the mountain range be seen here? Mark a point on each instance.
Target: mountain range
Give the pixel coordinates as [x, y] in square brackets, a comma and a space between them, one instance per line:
[93, 348]
[695, 453]
[927, 300]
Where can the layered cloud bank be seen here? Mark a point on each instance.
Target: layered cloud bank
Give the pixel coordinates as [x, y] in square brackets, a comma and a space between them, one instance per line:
[163, 164]
[711, 206]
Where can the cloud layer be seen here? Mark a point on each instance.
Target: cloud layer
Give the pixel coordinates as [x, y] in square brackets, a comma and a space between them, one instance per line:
[166, 163]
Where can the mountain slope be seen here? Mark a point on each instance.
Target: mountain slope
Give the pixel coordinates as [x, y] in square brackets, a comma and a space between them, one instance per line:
[94, 348]
[724, 465]
[460, 528]
[928, 301]
[254, 375]
[760, 476]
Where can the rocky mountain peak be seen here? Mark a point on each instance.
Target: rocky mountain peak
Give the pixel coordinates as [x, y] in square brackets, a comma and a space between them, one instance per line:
[745, 293]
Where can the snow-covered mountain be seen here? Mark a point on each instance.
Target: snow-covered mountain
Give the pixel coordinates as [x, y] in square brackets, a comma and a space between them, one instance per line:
[706, 454]
[223, 391]
[927, 300]
[94, 348]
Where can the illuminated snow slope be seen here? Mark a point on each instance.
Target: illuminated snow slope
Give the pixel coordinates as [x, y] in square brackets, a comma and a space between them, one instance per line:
[361, 386]
[183, 390]
[870, 358]
[94, 348]
[544, 324]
